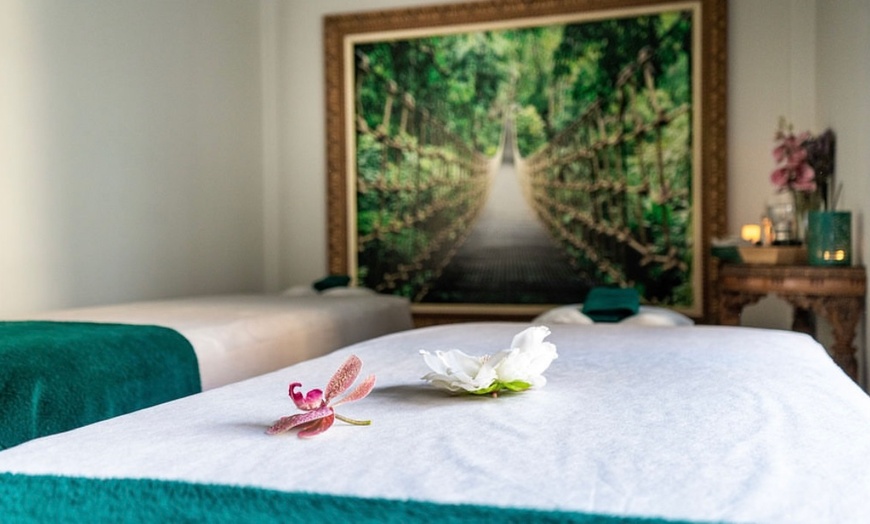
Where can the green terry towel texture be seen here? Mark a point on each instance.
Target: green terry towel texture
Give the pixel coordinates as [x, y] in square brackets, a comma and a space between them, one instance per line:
[56, 376]
[330, 282]
[26, 499]
[609, 304]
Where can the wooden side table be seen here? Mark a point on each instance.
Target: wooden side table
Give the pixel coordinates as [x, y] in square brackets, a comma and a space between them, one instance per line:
[834, 293]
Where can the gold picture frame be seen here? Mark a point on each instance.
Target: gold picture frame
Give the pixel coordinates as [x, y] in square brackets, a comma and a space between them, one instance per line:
[705, 192]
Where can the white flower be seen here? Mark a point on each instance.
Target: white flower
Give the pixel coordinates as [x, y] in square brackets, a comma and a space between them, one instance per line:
[528, 358]
[516, 369]
[456, 371]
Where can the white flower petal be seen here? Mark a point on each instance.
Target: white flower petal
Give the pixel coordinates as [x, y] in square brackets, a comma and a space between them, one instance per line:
[530, 337]
[459, 362]
[526, 361]
[456, 371]
[435, 363]
[529, 357]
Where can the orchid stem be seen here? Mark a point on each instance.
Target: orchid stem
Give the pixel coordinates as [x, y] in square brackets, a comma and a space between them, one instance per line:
[837, 192]
[353, 421]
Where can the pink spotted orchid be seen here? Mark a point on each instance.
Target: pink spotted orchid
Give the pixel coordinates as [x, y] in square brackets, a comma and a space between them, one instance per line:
[793, 169]
[319, 411]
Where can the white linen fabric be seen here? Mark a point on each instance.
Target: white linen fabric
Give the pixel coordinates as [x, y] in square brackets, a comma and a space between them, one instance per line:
[700, 423]
[646, 316]
[240, 336]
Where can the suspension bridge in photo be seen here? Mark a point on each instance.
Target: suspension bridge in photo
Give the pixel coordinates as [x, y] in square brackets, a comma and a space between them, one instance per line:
[509, 256]
[440, 222]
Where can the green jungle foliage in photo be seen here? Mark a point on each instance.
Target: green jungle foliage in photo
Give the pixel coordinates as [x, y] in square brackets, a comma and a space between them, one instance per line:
[600, 113]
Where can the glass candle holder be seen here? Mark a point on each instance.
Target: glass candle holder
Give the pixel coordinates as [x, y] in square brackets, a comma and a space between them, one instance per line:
[781, 211]
[829, 238]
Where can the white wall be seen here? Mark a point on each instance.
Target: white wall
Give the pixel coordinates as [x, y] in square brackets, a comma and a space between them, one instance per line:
[771, 72]
[130, 150]
[804, 60]
[843, 74]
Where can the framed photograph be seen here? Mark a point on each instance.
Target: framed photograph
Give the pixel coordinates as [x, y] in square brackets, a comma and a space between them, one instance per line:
[494, 159]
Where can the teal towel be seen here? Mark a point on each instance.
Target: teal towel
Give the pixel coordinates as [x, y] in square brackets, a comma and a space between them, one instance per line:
[610, 304]
[729, 254]
[331, 281]
[56, 376]
[41, 498]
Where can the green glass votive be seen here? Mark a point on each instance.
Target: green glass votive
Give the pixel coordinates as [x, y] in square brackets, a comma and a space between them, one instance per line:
[829, 238]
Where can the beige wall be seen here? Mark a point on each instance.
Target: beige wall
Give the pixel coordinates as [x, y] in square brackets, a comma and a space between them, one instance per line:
[130, 150]
[805, 60]
[843, 74]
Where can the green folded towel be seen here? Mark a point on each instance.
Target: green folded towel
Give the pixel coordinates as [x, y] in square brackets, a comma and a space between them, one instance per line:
[729, 254]
[610, 304]
[56, 376]
[331, 281]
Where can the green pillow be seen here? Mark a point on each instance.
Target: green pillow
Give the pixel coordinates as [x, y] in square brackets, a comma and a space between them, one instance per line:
[331, 281]
[611, 304]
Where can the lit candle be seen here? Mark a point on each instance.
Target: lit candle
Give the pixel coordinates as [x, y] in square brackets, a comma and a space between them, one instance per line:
[839, 254]
[751, 233]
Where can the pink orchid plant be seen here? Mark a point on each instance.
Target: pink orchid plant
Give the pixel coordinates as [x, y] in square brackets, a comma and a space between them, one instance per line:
[793, 171]
[318, 407]
[805, 165]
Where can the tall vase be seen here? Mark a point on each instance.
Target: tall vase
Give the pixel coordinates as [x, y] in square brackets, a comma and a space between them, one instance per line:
[804, 202]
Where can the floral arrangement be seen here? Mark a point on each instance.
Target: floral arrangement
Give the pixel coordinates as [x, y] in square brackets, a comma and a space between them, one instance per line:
[804, 165]
[319, 411]
[515, 369]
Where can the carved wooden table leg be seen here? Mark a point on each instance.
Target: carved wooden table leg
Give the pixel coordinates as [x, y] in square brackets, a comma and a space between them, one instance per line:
[834, 293]
[843, 313]
[803, 321]
[731, 306]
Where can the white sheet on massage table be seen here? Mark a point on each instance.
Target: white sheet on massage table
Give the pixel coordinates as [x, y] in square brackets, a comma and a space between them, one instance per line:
[241, 336]
[711, 423]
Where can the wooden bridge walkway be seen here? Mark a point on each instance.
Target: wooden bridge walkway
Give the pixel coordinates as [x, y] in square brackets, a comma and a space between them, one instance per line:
[509, 258]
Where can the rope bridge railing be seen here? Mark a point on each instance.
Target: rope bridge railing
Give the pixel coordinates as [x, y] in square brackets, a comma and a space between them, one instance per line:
[419, 188]
[614, 187]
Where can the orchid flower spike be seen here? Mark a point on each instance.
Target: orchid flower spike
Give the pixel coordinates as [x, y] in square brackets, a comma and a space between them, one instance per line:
[318, 407]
